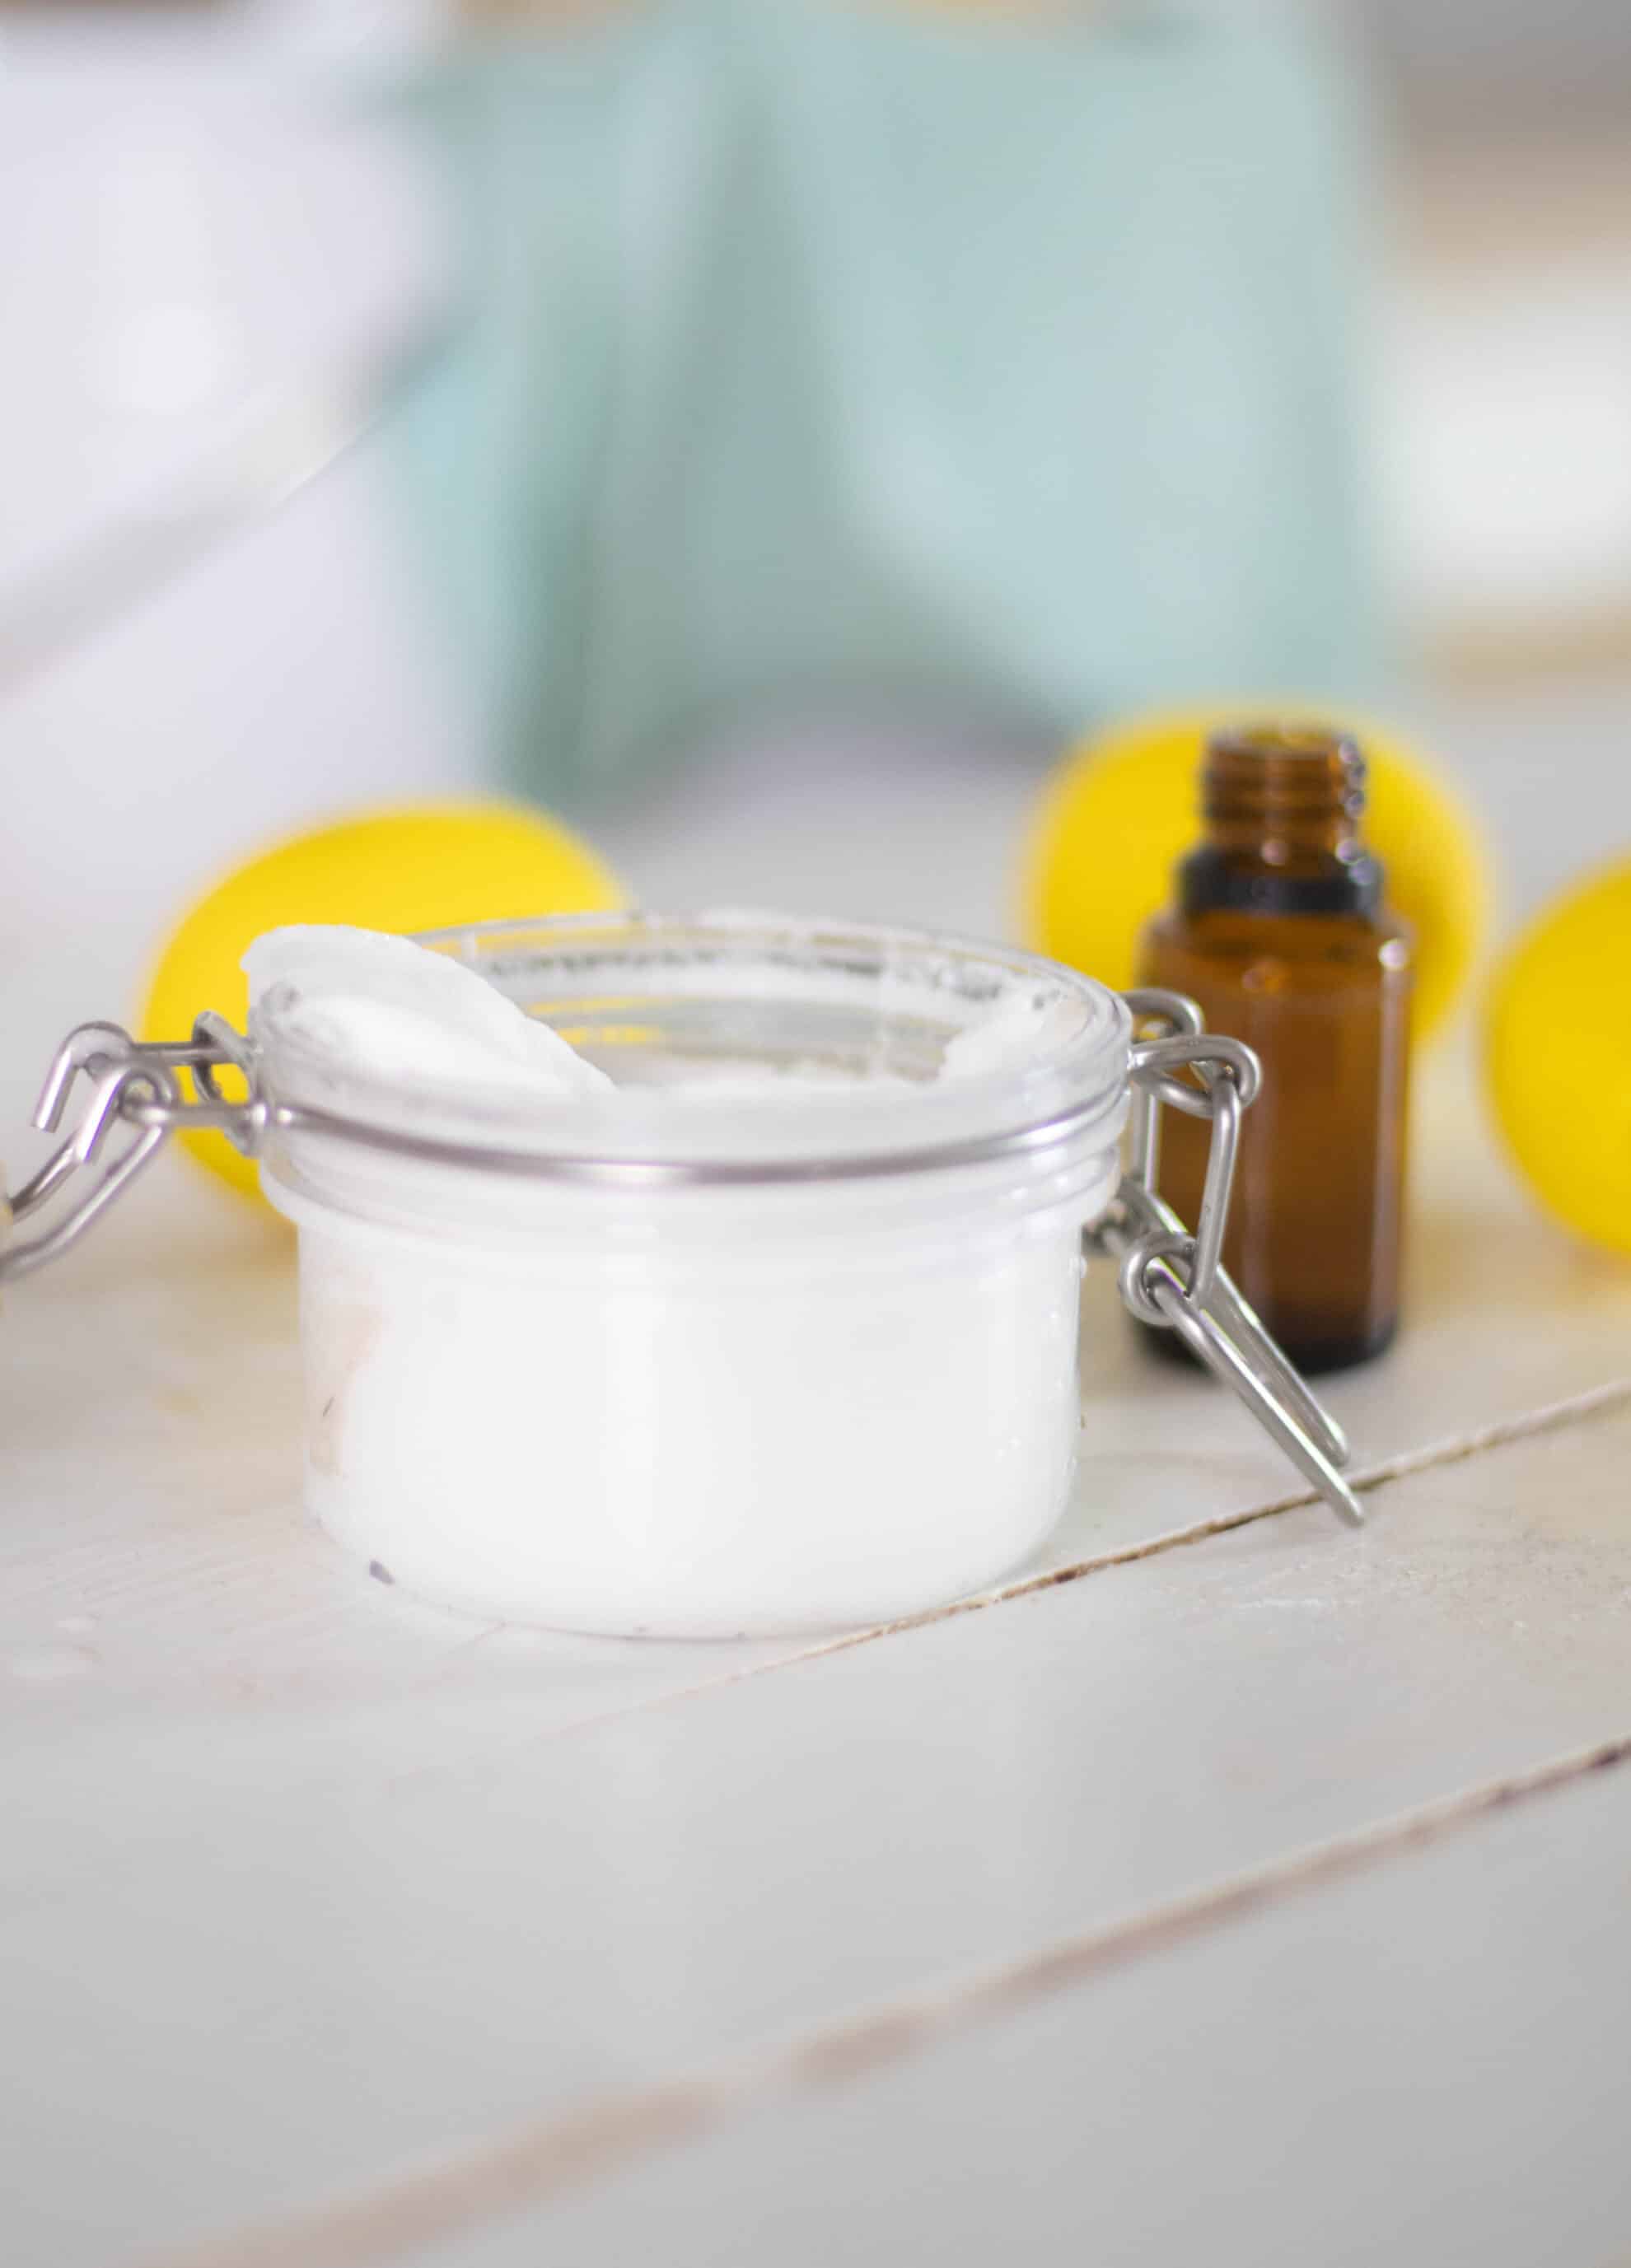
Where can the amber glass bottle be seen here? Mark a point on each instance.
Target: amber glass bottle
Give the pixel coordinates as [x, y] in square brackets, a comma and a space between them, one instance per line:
[1280, 932]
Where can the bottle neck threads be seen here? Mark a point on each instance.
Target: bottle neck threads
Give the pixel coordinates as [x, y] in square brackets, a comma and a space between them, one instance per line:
[1282, 805]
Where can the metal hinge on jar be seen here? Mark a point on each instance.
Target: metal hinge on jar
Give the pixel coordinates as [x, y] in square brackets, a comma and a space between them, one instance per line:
[1175, 1279]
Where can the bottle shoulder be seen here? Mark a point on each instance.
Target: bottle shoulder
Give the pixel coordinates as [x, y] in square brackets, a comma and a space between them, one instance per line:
[1382, 939]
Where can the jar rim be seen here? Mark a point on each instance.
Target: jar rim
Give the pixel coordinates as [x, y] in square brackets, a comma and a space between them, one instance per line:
[1040, 1103]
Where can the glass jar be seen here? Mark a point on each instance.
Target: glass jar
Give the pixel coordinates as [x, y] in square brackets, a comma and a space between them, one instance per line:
[780, 1337]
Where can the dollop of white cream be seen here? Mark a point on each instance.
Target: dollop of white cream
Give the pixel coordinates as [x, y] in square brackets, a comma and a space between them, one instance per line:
[399, 1010]
[1012, 1034]
[388, 1005]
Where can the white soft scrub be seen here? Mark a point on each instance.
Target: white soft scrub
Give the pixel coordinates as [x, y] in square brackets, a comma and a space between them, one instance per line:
[389, 1006]
[702, 1403]
[1007, 1038]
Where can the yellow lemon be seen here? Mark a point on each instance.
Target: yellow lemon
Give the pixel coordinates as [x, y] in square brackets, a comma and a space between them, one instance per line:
[1123, 808]
[423, 866]
[1558, 1056]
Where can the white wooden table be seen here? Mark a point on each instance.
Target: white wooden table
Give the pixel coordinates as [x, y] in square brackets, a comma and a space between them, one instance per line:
[1227, 1881]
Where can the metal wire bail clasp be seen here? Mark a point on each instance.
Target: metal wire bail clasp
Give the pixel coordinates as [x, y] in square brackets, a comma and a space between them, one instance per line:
[134, 1094]
[1175, 1279]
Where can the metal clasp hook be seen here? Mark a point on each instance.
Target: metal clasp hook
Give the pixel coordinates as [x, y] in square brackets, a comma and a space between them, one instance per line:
[119, 1074]
[1175, 1279]
[133, 1086]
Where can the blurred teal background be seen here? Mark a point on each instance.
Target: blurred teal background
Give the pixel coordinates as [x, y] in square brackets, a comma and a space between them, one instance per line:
[915, 360]
[825, 410]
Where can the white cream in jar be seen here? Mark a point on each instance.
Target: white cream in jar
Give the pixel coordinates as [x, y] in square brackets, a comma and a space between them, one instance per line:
[753, 1307]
